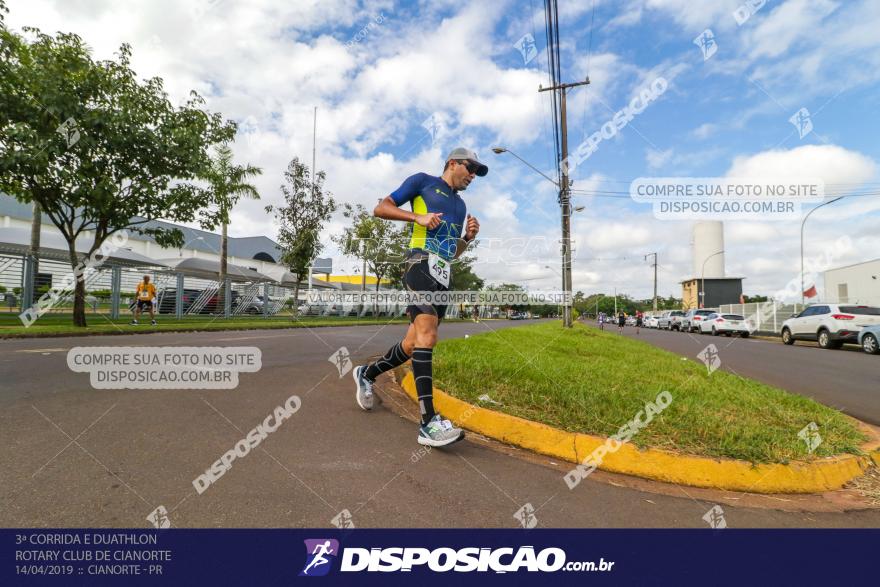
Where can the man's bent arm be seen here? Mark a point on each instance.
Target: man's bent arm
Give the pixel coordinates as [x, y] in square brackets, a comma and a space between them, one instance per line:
[388, 210]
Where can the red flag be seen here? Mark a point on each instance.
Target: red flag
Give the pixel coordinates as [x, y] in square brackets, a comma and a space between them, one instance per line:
[811, 293]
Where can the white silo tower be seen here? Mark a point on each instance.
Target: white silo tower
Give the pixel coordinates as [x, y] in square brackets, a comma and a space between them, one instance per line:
[708, 249]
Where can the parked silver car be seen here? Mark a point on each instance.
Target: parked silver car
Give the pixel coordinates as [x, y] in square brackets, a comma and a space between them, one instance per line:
[670, 320]
[692, 320]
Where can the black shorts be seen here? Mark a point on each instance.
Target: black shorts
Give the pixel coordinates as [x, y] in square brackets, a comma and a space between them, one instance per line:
[418, 278]
[621, 322]
[638, 321]
[148, 304]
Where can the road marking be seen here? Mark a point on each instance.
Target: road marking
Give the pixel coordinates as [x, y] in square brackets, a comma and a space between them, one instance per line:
[256, 337]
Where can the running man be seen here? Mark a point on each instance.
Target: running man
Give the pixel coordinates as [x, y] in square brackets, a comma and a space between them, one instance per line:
[320, 559]
[639, 316]
[146, 292]
[621, 322]
[441, 231]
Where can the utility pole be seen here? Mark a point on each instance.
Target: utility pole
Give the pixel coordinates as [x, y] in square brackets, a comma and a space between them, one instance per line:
[655, 278]
[314, 148]
[565, 196]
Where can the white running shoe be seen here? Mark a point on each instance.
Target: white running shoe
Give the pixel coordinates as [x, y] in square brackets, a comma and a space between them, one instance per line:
[439, 432]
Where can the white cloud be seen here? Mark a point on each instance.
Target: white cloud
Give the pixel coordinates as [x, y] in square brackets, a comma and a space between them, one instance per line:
[830, 163]
[705, 130]
[787, 24]
[657, 158]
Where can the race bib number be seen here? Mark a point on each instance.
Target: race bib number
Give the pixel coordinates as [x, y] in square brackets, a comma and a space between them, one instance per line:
[440, 269]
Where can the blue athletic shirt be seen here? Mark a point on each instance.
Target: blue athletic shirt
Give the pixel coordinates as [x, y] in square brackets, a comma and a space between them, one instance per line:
[427, 194]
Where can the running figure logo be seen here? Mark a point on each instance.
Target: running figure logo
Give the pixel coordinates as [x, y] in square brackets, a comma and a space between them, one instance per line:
[802, 122]
[317, 552]
[527, 48]
[715, 518]
[706, 42]
[342, 359]
[710, 358]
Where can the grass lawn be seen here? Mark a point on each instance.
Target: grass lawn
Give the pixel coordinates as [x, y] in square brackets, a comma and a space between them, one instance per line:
[585, 380]
[62, 324]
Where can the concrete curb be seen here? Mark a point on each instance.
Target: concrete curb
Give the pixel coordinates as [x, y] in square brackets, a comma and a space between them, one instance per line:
[826, 474]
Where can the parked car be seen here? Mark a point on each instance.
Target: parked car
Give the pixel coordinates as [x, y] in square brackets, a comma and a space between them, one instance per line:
[651, 322]
[168, 299]
[671, 320]
[831, 325]
[726, 324]
[694, 318]
[869, 339]
[253, 307]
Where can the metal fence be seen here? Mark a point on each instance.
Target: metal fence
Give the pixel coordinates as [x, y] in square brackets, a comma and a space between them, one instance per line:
[111, 289]
[766, 317]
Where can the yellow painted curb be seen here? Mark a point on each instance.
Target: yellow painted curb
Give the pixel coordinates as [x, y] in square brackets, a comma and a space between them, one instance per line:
[824, 474]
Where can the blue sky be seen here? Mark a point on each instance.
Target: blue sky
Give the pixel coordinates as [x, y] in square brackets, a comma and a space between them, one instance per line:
[377, 70]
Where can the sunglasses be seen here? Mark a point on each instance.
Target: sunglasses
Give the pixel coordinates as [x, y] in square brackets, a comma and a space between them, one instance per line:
[471, 166]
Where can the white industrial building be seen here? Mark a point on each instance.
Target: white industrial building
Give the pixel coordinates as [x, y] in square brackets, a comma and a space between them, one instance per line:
[854, 284]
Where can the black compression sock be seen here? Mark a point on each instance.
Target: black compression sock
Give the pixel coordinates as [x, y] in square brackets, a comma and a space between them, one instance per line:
[421, 365]
[393, 358]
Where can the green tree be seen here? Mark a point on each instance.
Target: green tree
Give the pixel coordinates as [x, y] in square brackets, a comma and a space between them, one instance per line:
[396, 266]
[229, 183]
[509, 287]
[464, 278]
[306, 208]
[97, 148]
[372, 239]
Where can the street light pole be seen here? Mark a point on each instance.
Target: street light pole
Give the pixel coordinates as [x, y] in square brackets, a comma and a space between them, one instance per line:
[803, 222]
[701, 301]
[655, 278]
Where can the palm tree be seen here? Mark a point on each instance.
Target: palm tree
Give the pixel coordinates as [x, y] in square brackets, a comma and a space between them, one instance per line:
[229, 183]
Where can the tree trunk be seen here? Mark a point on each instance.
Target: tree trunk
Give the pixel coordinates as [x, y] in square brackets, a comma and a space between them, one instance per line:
[36, 222]
[296, 297]
[376, 302]
[34, 251]
[79, 297]
[221, 294]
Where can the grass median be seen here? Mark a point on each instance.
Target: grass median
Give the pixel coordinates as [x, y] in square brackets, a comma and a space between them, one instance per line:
[593, 382]
[61, 324]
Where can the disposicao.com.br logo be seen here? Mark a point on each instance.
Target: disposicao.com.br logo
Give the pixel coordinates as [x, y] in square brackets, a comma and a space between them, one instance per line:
[441, 560]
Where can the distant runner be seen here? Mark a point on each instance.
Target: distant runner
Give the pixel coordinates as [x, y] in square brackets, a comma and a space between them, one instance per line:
[621, 322]
[146, 292]
[639, 316]
[441, 232]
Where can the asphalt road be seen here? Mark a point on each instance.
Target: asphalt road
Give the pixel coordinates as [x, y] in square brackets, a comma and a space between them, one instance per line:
[846, 379]
[77, 456]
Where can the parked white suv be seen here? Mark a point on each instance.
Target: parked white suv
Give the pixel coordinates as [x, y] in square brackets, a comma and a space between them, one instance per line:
[831, 325]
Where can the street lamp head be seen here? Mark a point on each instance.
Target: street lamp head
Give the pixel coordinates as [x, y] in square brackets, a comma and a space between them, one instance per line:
[580, 208]
[499, 150]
